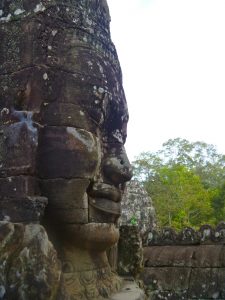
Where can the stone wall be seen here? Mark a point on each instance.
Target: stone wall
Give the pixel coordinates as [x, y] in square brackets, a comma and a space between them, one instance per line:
[185, 265]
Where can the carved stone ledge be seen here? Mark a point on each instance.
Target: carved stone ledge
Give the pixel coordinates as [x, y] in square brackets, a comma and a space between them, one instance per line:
[187, 236]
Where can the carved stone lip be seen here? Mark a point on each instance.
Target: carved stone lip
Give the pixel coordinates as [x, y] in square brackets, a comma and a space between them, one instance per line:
[106, 205]
[105, 191]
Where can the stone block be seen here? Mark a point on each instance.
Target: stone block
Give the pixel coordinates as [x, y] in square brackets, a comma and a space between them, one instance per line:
[18, 145]
[222, 256]
[24, 209]
[207, 283]
[66, 114]
[66, 216]
[169, 256]
[18, 186]
[172, 279]
[201, 256]
[208, 256]
[80, 90]
[69, 193]
[67, 152]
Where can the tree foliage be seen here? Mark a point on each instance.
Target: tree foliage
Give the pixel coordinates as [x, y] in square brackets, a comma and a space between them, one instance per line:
[218, 203]
[186, 182]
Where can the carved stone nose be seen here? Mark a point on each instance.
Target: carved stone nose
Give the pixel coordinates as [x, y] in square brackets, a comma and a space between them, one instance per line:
[117, 168]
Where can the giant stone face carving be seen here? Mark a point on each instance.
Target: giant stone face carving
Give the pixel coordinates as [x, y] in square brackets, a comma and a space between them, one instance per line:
[63, 127]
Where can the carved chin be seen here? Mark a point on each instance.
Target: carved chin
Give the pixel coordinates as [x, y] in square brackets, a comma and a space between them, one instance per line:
[94, 236]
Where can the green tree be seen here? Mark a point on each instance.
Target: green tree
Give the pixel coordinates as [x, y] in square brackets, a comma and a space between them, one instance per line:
[179, 197]
[218, 203]
[200, 157]
[185, 182]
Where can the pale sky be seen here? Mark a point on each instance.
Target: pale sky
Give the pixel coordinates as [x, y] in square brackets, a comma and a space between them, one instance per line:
[172, 54]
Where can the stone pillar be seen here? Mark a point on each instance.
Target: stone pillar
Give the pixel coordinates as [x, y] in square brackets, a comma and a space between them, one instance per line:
[130, 251]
